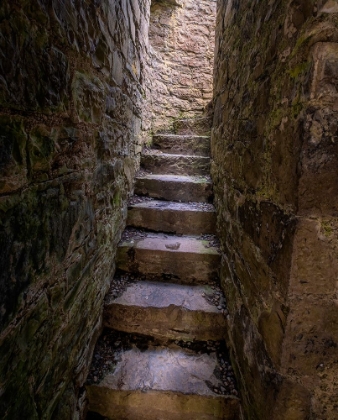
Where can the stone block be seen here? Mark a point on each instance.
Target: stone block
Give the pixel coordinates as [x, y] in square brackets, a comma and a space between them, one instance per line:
[13, 159]
[271, 326]
[186, 260]
[315, 266]
[175, 187]
[182, 144]
[172, 217]
[157, 163]
[310, 348]
[41, 151]
[166, 311]
[88, 96]
[170, 391]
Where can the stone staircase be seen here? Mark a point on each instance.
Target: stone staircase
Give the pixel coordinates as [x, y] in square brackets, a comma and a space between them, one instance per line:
[162, 354]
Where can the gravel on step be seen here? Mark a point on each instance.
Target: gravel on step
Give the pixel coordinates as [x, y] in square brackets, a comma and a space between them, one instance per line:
[136, 199]
[131, 233]
[123, 279]
[119, 285]
[138, 233]
[212, 239]
[217, 298]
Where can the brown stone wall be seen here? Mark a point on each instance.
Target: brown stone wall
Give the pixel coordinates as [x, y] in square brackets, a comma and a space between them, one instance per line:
[181, 37]
[71, 75]
[275, 164]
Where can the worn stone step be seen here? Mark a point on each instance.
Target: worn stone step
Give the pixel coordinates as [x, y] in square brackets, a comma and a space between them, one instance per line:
[173, 217]
[160, 383]
[188, 144]
[163, 163]
[175, 187]
[199, 126]
[186, 259]
[168, 311]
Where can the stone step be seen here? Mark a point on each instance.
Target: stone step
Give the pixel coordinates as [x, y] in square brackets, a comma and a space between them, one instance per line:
[185, 259]
[199, 126]
[149, 382]
[175, 187]
[182, 144]
[168, 311]
[172, 217]
[163, 163]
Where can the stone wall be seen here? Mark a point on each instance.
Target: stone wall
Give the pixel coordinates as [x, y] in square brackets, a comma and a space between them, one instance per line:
[71, 75]
[275, 160]
[181, 37]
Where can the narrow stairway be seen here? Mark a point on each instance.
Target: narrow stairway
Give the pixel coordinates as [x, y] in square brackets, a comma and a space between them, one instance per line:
[162, 354]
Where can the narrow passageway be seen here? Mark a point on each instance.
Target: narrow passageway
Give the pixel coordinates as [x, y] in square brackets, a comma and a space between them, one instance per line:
[162, 355]
[109, 112]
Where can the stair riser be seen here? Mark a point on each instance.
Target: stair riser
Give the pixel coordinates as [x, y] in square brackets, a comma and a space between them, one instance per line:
[174, 191]
[200, 126]
[136, 405]
[165, 323]
[177, 165]
[182, 145]
[186, 268]
[171, 221]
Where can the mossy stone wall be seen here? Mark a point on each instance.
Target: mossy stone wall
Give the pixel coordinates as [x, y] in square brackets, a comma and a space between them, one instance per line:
[275, 160]
[71, 87]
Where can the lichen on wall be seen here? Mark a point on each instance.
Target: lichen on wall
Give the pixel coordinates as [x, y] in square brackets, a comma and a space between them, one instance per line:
[275, 157]
[71, 86]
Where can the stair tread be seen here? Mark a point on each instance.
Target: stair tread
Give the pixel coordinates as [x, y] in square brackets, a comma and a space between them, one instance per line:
[183, 136]
[133, 377]
[161, 295]
[167, 311]
[171, 243]
[163, 368]
[182, 144]
[196, 179]
[157, 152]
[172, 216]
[178, 164]
[193, 126]
[174, 206]
[185, 259]
[184, 188]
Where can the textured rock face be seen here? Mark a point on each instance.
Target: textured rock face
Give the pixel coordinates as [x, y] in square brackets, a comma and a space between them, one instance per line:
[275, 154]
[70, 97]
[181, 60]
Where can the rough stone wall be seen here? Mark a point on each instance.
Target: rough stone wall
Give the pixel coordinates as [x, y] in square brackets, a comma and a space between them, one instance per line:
[182, 40]
[71, 75]
[275, 164]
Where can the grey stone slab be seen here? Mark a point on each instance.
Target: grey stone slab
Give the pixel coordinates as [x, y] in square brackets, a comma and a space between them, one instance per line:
[199, 125]
[175, 187]
[182, 144]
[165, 310]
[161, 383]
[164, 163]
[173, 217]
[187, 259]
